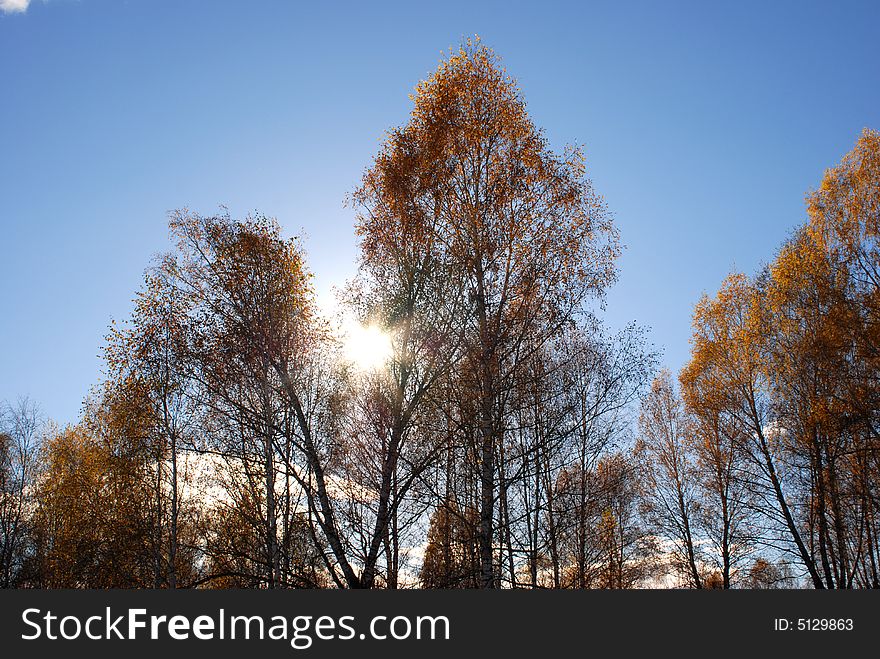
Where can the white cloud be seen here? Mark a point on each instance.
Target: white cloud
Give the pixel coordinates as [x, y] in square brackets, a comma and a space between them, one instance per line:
[13, 6]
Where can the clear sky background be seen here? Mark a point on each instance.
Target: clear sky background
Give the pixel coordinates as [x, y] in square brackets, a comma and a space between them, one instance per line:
[704, 125]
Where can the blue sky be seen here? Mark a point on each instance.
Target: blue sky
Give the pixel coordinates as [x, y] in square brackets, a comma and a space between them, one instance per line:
[704, 125]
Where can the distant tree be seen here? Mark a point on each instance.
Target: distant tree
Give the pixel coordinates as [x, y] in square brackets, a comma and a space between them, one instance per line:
[149, 393]
[604, 540]
[725, 516]
[764, 575]
[714, 580]
[92, 521]
[624, 547]
[671, 487]
[452, 551]
[600, 378]
[21, 427]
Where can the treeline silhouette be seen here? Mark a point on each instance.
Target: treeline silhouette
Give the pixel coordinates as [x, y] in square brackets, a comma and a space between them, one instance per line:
[509, 440]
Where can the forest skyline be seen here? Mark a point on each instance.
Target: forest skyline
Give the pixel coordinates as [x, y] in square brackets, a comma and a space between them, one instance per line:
[474, 427]
[115, 205]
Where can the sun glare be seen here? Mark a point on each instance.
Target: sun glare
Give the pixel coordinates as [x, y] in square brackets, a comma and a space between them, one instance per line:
[366, 347]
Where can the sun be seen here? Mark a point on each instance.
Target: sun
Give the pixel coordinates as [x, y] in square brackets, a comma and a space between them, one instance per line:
[367, 347]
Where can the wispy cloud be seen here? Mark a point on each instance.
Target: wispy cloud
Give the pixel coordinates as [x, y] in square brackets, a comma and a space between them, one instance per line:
[14, 6]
